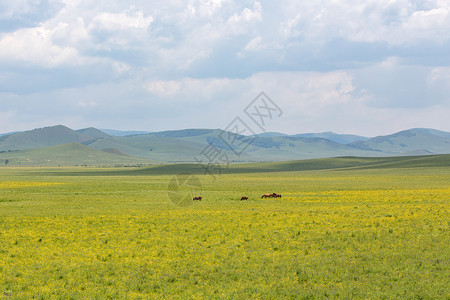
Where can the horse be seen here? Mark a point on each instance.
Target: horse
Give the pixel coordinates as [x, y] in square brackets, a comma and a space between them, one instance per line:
[197, 198]
[244, 198]
[273, 195]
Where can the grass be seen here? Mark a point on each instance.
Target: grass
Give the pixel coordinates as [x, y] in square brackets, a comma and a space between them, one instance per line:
[331, 164]
[71, 154]
[337, 233]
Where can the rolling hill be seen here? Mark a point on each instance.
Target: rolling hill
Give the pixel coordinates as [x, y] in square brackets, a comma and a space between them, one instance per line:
[71, 154]
[338, 138]
[408, 141]
[113, 132]
[44, 137]
[336, 163]
[321, 164]
[195, 145]
[93, 133]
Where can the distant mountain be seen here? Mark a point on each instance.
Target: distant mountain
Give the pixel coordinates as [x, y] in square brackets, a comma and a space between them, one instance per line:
[408, 141]
[183, 133]
[271, 134]
[212, 145]
[294, 147]
[153, 147]
[122, 133]
[338, 138]
[93, 133]
[8, 133]
[433, 132]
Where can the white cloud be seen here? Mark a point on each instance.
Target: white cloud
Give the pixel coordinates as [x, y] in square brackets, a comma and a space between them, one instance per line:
[439, 75]
[254, 44]
[396, 22]
[206, 8]
[34, 45]
[311, 101]
[175, 37]
[163, 89]
[247, 15]
[394, 84]
[122, 21]
[84, 103]
[10, 9]
[191, 90]
[329, 63]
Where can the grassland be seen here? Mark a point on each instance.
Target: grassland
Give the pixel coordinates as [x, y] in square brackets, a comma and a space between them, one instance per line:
[73, 154]
[349, 232]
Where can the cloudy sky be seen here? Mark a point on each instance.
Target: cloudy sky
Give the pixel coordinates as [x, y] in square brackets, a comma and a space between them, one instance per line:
[349, 66]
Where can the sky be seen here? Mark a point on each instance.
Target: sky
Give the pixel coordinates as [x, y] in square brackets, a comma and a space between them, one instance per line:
[369, 67]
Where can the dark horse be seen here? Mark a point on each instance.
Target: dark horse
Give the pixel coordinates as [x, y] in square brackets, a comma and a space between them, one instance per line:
[273, 195]
[244, 198]
[197, 198]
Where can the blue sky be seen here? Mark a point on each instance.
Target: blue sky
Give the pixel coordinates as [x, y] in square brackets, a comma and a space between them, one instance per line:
[366, 67]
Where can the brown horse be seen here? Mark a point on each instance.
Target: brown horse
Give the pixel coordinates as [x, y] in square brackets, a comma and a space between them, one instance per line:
[197, 198]
[244, 198]
[273, 195]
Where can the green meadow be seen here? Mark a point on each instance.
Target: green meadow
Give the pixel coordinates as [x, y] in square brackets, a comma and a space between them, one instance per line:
[345, 228]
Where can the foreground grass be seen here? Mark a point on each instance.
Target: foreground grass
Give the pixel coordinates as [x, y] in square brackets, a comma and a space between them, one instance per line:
[334, 234]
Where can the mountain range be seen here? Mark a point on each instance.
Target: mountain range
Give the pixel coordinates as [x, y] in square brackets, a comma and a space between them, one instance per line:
[60, 145]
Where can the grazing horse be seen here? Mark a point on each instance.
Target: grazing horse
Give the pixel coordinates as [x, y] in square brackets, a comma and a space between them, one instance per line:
[244, 198]
[273, 195]
[197, 198]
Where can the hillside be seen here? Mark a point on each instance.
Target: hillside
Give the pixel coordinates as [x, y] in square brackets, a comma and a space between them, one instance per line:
[192, 145]
[187, 145]
[113, 132]
[71, 154]
[338, 138]
[93, 133]
[152, 147]
[337, 163]
[413, 140]
[42, 137]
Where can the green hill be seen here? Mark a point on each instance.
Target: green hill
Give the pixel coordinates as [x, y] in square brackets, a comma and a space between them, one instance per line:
[71, 154]
[336, 163]
[187, 145]
[346, 163]
[408, 141]
[322, 164]
[338, 138]
[93, 133]
[152, 147]
[292, 148]
[42, 137]
[191, 145]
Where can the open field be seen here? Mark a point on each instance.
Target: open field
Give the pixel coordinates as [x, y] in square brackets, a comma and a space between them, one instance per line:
[368, 232]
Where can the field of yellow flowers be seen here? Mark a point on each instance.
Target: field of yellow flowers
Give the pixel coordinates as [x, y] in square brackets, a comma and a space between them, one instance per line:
[333, 234]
